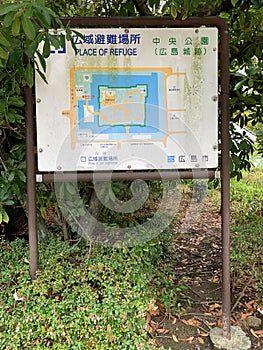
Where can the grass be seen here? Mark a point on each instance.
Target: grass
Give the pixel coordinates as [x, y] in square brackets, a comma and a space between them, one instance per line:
[246, 228]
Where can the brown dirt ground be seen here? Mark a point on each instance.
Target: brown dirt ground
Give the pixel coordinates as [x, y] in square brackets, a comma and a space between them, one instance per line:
[196, 256]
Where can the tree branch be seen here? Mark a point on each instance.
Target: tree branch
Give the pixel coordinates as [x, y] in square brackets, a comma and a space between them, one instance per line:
[142, 7]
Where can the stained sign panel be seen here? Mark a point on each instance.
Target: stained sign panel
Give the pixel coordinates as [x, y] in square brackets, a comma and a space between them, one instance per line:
[130, 99]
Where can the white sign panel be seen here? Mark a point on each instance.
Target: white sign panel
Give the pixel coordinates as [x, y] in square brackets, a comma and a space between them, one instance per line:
[130, 99]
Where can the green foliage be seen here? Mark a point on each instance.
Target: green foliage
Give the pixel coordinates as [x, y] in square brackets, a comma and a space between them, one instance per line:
[92, 8]
[247, 239]
[20, 37]
[260, 142]
[245, 20]
[246, 83]
[25, 24]
[76, 301]
[246, 197]
[12, 183]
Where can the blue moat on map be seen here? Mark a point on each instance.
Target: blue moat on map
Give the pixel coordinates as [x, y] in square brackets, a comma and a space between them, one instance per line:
[118, 105]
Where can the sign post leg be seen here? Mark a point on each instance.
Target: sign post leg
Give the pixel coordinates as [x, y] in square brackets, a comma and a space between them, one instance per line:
[31, 183]
[226, 308]
[225, 184]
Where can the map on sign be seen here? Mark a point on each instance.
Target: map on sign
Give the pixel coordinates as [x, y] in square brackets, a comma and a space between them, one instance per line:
[122, 105]
[130, 99]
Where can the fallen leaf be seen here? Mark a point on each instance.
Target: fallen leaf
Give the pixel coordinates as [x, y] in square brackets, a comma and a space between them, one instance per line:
[153, 324]
[6, 247]
[215, 279]
[108, 328]
[254, 333]
[161, 307]
[111, 337]
[148, 316]
[214, 306]
[251, 305]
[153, 308]
[259, 333]
[188, 340]
[191, 322]
[154, 342]
[202, 334]
[162, 330]
[175, 339]
[174, 320]
[232, 321]
[201, 340]
[149, 329]
[243, 317]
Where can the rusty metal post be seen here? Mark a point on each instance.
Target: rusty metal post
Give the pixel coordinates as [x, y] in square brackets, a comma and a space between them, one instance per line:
[225, 182]
[31, 183]
[127, 175]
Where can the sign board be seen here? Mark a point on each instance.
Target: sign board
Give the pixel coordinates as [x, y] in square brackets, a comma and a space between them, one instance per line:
[130, 99]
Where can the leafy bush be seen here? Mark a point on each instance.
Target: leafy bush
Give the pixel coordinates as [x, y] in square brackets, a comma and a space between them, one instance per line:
[77, 301]
[19, 47]
[247, 239]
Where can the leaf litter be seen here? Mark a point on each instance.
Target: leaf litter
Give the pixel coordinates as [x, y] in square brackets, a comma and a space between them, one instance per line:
[197, 258]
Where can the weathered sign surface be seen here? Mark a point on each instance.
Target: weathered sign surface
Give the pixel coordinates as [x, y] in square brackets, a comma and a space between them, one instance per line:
[130, 99]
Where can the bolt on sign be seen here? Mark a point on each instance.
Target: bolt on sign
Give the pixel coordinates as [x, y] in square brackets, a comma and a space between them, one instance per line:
[130, 99]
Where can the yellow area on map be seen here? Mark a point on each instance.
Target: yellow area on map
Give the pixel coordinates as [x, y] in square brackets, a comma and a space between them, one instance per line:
[123, 104]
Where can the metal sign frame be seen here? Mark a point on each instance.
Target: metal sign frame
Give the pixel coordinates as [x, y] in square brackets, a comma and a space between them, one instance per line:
[129, 99]
[151, 22]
